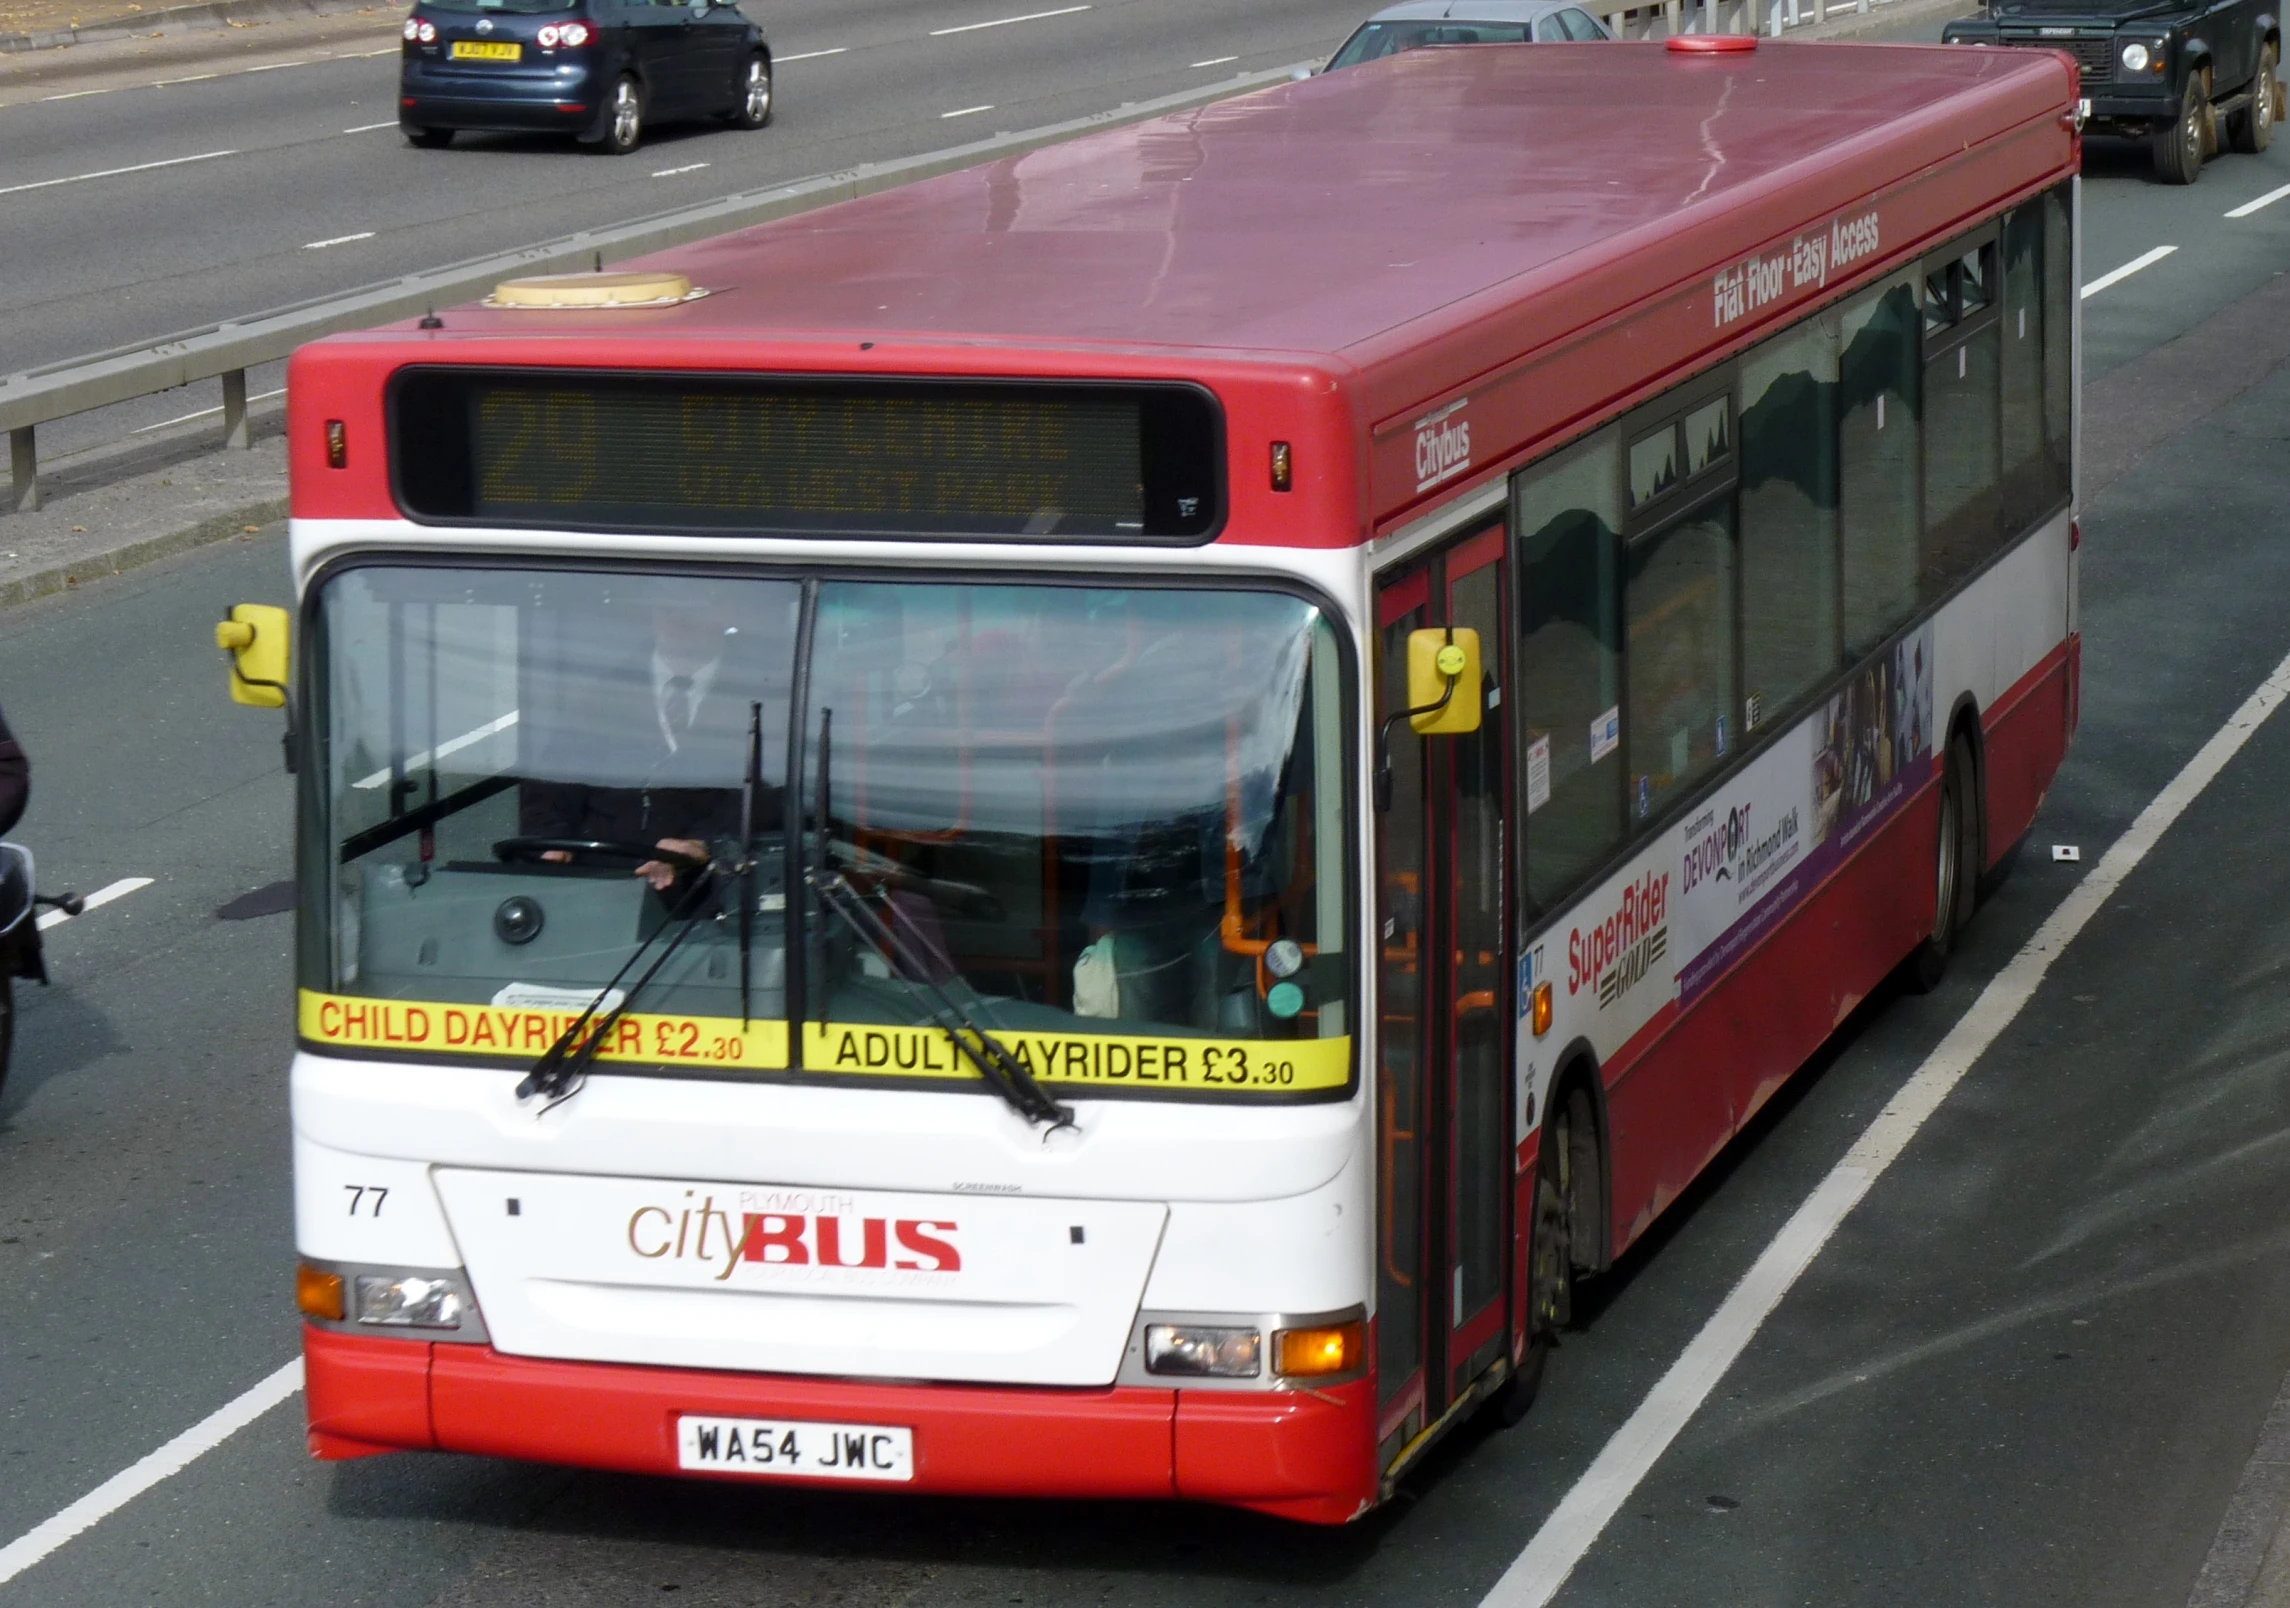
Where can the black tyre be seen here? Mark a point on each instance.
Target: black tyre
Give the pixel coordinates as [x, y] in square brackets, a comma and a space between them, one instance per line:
[7, 1015]
[430, 139]
[2179, 149]
[751, 97]
[1956, 867]
[624, 117]
[2251, 130]
[1564, 1177]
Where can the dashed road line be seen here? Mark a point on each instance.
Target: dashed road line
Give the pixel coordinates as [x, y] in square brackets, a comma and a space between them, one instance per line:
[113, 173]
[964, 112]
[810, 55]
[338, 240]
[1538, 1572]
[2266, 200]
[96, 900]
[2146, 259]
[1216, 61]
[140, 1476]
[669, 173]
[1004, 22]
[368, 128]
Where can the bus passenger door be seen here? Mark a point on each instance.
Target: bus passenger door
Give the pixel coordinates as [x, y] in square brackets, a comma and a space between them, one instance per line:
[1445, 1009]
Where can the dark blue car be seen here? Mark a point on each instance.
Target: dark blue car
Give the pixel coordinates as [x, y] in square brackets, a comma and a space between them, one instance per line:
[601, 70]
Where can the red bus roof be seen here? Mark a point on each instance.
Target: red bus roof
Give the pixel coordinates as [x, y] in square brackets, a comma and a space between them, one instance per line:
[1404, 229]
[1328, 216]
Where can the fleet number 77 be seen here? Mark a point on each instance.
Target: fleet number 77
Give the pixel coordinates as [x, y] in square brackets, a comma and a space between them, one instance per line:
[359, 1192]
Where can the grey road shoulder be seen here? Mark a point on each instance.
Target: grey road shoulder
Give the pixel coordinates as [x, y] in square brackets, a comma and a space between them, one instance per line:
[96, 523]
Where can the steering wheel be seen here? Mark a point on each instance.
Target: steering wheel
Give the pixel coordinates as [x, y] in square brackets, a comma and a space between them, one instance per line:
[520, 850]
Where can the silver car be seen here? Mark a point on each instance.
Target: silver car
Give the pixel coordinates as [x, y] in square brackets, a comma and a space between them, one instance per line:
[1466, 22]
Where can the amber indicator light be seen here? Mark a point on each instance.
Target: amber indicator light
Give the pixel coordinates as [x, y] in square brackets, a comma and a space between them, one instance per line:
[1542, 1009]
[1283, 466]
[337, 444]
[1308, 1353]
[318, 1293]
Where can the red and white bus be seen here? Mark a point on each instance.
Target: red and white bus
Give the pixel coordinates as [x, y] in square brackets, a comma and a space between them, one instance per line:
[1085, 829]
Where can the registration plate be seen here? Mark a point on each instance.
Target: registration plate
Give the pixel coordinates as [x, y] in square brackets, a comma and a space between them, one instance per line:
[487, 50]
[793, 1449]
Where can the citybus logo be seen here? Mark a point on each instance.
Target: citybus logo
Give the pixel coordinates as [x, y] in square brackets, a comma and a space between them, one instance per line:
[1442, 445]
[705, 1234]
[1614, 955]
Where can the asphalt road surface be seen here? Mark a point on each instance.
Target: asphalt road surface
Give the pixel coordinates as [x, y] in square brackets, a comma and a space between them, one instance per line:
[155, 199]
[2029, 1369]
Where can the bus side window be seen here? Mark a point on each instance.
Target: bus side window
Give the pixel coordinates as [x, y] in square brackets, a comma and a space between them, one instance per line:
[1878, 455]
[2028, 486]
[1789, 625]
[2059, 300]
[1566, 519]
[1962, 438]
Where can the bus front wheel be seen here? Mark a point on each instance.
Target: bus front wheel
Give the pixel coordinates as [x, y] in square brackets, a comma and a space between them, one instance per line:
[1559, 1176]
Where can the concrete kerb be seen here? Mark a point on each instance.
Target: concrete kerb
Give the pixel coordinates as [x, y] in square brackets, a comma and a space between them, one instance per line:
[204, 17]
[215, 528]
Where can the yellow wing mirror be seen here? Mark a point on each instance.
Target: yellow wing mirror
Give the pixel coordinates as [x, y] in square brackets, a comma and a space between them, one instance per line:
[1443, 681]
[1442, 693]
[255, 636]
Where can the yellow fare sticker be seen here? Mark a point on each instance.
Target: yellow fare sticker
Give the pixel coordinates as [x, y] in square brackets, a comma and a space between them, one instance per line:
[522, 1032]
[1104, 1060]
[1099, 1060]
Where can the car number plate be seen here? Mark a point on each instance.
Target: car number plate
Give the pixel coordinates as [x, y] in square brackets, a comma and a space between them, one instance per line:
[789, 1448]
[487, 50]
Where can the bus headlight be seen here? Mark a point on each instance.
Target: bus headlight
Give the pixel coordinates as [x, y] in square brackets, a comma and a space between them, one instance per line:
[409, 1301]
[1201, 1352]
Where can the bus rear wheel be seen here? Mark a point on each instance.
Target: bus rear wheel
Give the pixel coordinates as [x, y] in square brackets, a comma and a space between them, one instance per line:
[1956, 865]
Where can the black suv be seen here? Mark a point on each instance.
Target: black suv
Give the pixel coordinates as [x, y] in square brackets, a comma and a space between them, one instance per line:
[598, 69]
[2167, 71]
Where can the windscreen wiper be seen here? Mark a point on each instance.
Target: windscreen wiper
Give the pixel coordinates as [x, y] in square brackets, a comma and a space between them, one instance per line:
[563, 1066]
[1003, 1072]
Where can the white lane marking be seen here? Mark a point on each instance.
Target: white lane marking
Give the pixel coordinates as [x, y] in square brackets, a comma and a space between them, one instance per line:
[113, 173]
[2145, 259]
[1536, 1575]
[1004, 22]
[73, 95]
[361, 55]
[811, 55]
[2266, 200]
[102, 896]
[338, 240]
[669, 173]
[273, 66]
[138, 1477]
[146, 429]
[1216, 61]
[444, 750]
[368, 128]
[168, 83]
[965, 112]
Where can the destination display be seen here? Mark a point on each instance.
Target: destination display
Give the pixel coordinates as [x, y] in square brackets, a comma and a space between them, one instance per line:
[755, 454]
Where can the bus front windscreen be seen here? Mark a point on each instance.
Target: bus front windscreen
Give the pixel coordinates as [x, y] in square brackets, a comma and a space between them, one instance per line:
[1105, 824]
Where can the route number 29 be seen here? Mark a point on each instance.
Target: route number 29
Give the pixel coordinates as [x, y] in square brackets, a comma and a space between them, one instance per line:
[358, 1194]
